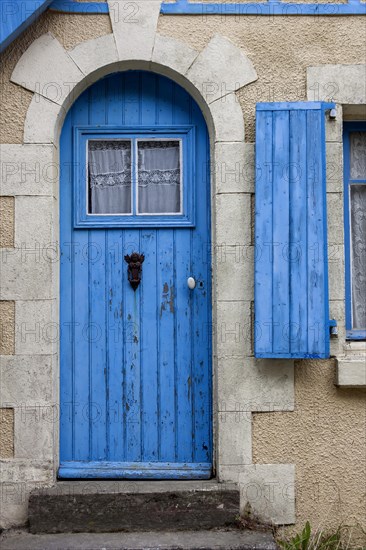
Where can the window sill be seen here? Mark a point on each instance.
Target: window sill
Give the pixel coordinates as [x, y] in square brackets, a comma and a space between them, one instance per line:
[351, 368]
[356, 335]
[355, 347]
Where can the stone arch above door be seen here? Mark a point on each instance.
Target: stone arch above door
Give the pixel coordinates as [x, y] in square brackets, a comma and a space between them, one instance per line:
[57, 77]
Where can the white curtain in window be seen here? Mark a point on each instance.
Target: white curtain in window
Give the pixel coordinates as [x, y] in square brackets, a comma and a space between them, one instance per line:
[109, 165]
[358, 237]
[358, 155]
[358, 228]
[158, 177]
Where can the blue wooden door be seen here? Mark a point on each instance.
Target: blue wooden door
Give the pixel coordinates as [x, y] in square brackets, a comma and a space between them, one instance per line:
[135, 364]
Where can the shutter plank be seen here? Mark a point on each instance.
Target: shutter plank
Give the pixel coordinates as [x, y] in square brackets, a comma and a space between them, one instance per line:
[316, 236]
[281, 204]
[263, 238]
[298, 233]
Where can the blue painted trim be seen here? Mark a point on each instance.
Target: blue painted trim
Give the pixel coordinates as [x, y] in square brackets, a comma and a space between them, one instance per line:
[183, 7]
[290, 106]
[325, 107]
[270, 8]
[16, 16]
[133, 470]
[355, 334]
[351, 334]
[260, 355]
[84, 220]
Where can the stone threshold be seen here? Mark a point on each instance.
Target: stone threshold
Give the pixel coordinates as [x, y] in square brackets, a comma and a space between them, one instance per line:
[191, 540]
[116, 486]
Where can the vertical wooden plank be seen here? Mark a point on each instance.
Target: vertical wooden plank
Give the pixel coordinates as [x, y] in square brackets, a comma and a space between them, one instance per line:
[149, 347]
[166, 310]
[165, 103]
[97, 103]
[185, 362]
[114, 296]
[148, 307]
[115, 272]
[148, 87]
[263, 233]
[98, 300]
[132, 373]
[82, 388]
[165, 317]
[297, 251]
[281, 233]
[131, 98]
[201, 311]
[315, 208]
[182, 108]
[66, 289]
[114, 100]
[80, 285]
[97, 336]
[132, 404]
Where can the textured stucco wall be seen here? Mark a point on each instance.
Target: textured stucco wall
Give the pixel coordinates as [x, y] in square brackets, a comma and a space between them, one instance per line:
[6, 222]
[281, 48]
[70, 30]
[7, 327]
[325, 437]
[6, 433]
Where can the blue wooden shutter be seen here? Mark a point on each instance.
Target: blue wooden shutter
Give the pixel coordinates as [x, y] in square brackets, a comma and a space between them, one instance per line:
[291, 272]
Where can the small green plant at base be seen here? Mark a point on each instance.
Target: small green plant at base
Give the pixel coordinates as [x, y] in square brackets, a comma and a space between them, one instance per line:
[306, 540]
[299, 542]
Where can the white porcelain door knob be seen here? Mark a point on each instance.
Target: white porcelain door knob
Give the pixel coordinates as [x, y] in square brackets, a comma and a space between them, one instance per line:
[191, 283]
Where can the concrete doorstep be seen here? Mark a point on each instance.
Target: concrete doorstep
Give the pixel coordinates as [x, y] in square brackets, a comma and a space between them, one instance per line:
[182, 540]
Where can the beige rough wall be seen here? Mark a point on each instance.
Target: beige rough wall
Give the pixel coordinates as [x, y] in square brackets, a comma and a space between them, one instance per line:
[325, 437]
[6, 222]
[69, 30]
[7, 328]
[281, 48]
[6, 433]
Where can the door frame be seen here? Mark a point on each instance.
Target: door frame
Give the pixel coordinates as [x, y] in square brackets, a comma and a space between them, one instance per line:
[225, 123]
[195, 165]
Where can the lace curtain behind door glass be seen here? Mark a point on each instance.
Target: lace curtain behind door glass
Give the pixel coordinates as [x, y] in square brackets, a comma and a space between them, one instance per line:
[358, 228]
[109, 167]
[159, 179]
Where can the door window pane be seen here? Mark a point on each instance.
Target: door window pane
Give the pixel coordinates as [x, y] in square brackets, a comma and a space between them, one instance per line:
[159, 177]
[358, 267]
[109, 169]
[358, 155]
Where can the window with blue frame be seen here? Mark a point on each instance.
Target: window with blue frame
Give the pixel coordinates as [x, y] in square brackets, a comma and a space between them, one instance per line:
[355, 228]
[126, 177]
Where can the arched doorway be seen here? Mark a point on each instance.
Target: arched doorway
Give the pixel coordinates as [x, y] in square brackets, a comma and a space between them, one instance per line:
[136, 337]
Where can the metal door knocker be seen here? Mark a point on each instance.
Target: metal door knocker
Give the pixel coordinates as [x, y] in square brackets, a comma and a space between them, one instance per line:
[135, 261]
